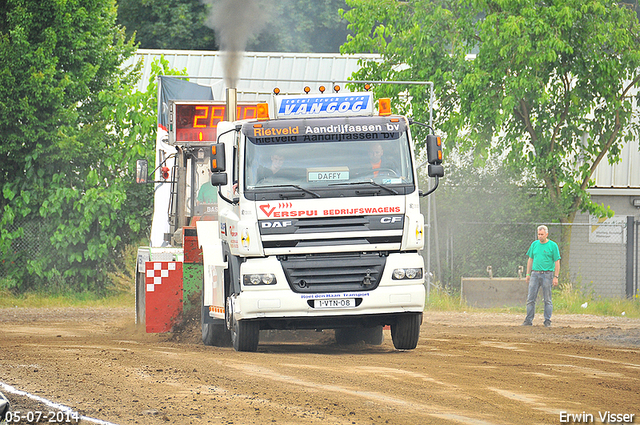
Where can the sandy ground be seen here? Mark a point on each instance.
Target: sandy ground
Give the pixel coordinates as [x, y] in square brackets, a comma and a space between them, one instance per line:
[476, 368]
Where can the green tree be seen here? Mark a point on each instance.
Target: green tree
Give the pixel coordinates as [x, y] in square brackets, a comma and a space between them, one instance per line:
[551, 83]
[302, 26]
[284, 25]
[485, 217]
[64, 168]
[161, 24]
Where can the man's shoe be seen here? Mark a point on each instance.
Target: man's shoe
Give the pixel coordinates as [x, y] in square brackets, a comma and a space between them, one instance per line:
[547, 324]
[525, 323]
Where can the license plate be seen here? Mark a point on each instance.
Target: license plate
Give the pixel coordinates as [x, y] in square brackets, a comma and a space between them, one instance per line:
[335, 303]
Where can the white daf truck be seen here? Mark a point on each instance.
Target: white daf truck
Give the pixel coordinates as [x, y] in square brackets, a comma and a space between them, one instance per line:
[319, 223]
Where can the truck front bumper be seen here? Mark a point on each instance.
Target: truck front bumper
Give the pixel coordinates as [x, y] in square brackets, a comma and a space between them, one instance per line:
[282, 308]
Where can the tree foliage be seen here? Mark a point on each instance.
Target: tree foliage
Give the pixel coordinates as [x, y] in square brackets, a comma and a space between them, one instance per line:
[66, 169]
[302, 26]
[551, 83]
[286, 25]
[485, 217]
[173, 24]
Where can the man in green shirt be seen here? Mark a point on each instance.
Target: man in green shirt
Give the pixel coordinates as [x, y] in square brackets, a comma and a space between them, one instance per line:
[208, 194]
[543, 269]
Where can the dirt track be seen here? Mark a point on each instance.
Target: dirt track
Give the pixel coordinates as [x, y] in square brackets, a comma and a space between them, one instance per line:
[468, 369]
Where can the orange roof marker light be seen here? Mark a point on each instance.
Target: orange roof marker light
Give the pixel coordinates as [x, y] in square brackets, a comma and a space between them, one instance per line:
[367, 87]
[276, 91]
[307, 89]
[384, 106]
[262, 111]
[322, 89]
[336, 88]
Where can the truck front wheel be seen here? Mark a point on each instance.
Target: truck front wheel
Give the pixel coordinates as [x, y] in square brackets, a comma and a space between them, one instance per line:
[245, 335]
[208, 334]
[406, 331]
[213, 334]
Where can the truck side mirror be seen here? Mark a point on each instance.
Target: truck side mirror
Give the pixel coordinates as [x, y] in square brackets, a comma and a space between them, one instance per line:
[217, 158]
[218, 179]
[434, 149]
[217, 164]
[434, 156]
[436, 170]
[142, 167]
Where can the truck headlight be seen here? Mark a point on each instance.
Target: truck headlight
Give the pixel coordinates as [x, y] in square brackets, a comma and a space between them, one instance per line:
[413, 273]
[259, 279]
[408, 273]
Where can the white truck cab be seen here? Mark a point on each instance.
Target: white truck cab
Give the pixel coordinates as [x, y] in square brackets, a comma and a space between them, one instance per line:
[319, 223]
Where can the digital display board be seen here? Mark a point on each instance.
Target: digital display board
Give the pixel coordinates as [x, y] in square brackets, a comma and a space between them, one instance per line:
[197, 122]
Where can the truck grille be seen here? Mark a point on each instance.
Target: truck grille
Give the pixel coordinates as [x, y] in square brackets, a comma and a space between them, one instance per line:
[295, 235]
[333, 273]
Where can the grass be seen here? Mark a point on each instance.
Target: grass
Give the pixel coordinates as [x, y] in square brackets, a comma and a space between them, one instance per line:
[566, 300]
[443, 300]
[570, 299]
[80, 300]
[120, 290]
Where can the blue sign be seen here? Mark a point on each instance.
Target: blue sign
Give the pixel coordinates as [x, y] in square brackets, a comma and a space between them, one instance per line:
[352, 104]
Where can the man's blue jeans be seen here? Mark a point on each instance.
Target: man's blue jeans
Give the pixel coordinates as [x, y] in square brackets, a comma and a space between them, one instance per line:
[538, 279]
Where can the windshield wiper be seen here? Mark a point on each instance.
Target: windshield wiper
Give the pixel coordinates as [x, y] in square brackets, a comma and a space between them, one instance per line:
[297, 187]
[371, 182]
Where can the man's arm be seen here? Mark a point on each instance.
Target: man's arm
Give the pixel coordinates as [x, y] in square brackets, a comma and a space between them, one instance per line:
[556, 273]
[529, 266]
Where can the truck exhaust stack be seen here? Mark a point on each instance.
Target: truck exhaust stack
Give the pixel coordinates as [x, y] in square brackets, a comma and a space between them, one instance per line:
[232, 104]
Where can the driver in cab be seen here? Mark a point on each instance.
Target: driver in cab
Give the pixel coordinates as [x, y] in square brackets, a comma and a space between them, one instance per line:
[378, 161]
[264, 173]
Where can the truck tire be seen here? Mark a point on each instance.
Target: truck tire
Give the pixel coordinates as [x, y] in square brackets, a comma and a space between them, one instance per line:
[208, 334]
[348, 336]
[405, 332]
[373, 336]
[216, 335]
[140, 297]
[245, 335]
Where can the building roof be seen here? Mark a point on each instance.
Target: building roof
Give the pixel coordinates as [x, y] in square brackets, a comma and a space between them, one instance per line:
[259, 72]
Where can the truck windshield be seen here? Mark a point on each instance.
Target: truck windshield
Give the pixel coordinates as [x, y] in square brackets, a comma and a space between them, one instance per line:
[317, 154]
